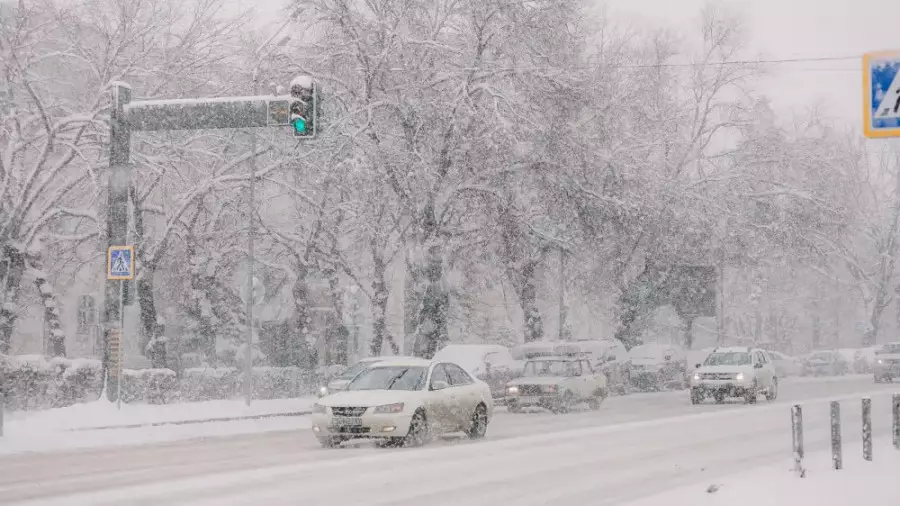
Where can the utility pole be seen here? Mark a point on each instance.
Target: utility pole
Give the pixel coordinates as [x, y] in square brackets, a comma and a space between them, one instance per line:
[562, 295]
[116, 220]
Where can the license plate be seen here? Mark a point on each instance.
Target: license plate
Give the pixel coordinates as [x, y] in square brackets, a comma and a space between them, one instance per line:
[354, 421]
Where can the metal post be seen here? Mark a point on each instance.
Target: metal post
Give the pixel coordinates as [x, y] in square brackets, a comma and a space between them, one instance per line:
[837, 457]
[119, 358]
[117, 214]
[797, 433]
[562, 295]
[248, 353]
[895, 426]
[867, 428]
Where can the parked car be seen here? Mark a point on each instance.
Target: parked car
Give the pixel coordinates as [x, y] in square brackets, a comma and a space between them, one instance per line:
[656, 366]
[825, 363]
[404, 403]
[534, 349]
[784, 365]
[340, 382]
[734, 372]
[606, 355]
[556, 384]
[491, 363]
[887, 363]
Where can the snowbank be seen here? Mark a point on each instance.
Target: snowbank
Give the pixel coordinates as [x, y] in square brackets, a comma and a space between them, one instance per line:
[104, 413]
[54, 429]
[860, 482]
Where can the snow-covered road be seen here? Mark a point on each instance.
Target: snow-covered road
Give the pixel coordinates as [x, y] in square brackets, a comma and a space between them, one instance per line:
[634, 446]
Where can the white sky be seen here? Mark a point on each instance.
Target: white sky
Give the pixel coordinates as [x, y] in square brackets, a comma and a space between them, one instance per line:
[779, 29]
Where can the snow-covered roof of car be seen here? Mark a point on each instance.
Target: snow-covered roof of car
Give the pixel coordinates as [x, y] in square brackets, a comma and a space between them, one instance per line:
[403, 361]
[556, 357]
[388, 358]
[732, 349]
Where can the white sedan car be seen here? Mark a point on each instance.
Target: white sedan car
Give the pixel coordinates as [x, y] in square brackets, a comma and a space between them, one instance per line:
[404, 402]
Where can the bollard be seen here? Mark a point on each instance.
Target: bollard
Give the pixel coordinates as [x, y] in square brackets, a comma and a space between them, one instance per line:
[867, 428]
[895, 426]
[797, 433]
[837, 456]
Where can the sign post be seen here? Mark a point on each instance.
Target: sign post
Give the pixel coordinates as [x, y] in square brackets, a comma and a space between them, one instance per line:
[119, 267]
[881, 94]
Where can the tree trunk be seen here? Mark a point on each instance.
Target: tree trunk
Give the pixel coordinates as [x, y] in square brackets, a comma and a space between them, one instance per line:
[432, 331]
[153, 344]
[534, 324]
[339, 330]
[202, 309]
[57, 337]
[14, 258]
[379, 308]
[301, 318]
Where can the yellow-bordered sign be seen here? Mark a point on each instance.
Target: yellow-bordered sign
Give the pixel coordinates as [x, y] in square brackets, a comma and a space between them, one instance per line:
[120, 263]
[881, 94]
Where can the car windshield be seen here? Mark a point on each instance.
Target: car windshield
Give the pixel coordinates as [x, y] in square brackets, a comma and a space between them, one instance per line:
[398, 377]
[892, 349]
[728, 358]
[355, 369]
[561, 368]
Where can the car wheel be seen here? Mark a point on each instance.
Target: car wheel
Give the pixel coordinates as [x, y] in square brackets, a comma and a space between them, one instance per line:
[478, 425]
[513, 408]
[772, 393]
[564, 404]
[419, 433]
[697, 396]
[879, 379]
[595, 402]
[751, 394]
[329, 442]
[719, 397]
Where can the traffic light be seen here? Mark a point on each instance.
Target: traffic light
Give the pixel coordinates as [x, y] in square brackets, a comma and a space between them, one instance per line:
[303, 107]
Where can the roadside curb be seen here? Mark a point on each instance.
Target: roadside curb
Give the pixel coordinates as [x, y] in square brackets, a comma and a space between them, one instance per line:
[191, 422]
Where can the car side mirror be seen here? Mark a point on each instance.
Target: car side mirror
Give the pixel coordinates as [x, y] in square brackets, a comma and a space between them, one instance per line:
[697, 366]
[439, 385]
[612, 358]
[758, 365]
[667, 358]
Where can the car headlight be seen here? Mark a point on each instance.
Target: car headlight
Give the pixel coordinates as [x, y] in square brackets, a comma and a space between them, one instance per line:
[696, 376]
[318, 408]
[549, 388]
[512, 390]
[880, 360]
[323, 391]
[397, 407]
[739, 376]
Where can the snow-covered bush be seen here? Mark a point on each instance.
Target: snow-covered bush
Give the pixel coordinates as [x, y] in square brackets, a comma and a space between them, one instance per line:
[153, 386]
[33, 382]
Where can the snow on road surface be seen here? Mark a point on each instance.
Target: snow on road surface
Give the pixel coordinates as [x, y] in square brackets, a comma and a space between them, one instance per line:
[860, 482]
[634, 447]
[50, 430]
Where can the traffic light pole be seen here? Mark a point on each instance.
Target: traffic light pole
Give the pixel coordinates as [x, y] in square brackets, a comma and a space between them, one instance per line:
[187, 114]
[116, 222]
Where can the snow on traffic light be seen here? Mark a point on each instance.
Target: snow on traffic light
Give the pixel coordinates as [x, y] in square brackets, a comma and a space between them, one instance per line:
[303, 107]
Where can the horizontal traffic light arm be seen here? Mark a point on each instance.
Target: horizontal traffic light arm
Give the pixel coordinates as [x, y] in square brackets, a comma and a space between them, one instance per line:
[208, 113]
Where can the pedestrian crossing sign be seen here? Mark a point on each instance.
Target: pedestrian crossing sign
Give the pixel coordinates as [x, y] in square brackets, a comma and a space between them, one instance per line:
[881, 94]
[120, 263]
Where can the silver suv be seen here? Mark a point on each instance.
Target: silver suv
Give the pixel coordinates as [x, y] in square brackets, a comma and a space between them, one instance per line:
[734, 372]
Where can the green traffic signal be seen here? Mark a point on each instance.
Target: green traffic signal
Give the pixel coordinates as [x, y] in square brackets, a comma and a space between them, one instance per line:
[300, 125]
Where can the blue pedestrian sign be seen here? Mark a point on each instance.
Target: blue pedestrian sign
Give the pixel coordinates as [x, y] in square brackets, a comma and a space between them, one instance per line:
[881, 90]
[120, 263]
